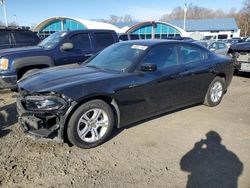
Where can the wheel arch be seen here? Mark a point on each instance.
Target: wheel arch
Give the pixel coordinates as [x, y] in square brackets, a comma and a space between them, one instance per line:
[109, 100]
[23, 64]
[222, 75]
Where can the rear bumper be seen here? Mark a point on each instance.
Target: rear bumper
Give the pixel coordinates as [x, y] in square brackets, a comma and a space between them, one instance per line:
[242, 61]
[8, 81]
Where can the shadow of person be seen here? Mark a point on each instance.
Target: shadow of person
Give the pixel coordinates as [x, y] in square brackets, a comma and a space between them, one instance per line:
[211, 165]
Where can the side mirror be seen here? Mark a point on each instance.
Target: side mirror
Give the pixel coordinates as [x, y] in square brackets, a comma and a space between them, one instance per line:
[148, 67]
[212, 49]
[67, 46]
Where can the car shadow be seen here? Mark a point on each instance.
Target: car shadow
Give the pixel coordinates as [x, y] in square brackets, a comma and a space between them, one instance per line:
[117, 131]
[210, 164]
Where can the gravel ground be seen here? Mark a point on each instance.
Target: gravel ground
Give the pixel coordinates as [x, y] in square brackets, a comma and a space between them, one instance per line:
[198, 146]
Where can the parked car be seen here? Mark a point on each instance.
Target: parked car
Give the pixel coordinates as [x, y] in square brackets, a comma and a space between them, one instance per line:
[61, 48]
[126, 82]
[17, 37]
[129, 36]
[240, 52]
[215, 46]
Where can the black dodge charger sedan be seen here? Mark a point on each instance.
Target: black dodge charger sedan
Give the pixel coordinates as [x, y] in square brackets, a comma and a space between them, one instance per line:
[125, 83]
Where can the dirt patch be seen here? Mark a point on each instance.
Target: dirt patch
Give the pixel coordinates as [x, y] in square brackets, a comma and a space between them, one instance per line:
[146, 155]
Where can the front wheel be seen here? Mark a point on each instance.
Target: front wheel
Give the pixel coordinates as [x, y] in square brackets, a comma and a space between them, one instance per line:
[215, 92]
[91, 124]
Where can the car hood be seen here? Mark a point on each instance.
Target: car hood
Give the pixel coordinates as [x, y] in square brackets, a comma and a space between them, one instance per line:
[57, 79]
[241, 46]
[21, 50]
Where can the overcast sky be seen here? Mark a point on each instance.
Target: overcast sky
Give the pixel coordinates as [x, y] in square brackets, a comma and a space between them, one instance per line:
[34, 11]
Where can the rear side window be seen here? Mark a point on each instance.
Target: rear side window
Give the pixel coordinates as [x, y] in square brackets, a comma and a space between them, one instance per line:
[190, 54]
[81, 41]
[103, 40]
[23, 37]
[4, 37]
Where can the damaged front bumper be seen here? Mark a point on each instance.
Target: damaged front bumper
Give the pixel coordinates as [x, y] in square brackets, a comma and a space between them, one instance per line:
[39, 124]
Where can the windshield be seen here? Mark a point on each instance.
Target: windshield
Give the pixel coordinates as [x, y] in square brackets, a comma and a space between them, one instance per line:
[248, 39]
[52, 40]
[118, 57]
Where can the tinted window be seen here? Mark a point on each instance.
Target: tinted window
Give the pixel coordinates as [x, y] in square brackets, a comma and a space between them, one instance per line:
[163, 56]
[23, 37]
[4, 37]
[103, 40]
[81, 41]
[191, 54]
[222, 36]
[134, 37]
[123, 37]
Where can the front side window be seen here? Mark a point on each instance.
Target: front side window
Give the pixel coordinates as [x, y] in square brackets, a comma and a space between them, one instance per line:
[81, 41]
[190, 54]
[213, 46]
[163, 56]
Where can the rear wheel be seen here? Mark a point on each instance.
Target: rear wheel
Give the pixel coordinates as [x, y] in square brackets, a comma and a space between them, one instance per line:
[91, 124]
[215, 92]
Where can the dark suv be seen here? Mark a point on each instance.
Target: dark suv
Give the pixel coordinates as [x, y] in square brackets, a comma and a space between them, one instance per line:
[17, 37]
[61, 48]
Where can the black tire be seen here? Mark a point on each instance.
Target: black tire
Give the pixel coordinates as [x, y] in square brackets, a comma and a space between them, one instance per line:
[72, 129]
[208, 101]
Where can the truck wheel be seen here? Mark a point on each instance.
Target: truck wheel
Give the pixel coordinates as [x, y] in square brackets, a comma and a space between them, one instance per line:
[215, 92]
[91, 124]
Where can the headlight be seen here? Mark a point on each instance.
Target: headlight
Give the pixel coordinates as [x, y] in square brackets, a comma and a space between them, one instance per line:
[4, 64]
[45, 103]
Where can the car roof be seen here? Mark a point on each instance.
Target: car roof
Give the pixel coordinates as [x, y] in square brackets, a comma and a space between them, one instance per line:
[88, 30]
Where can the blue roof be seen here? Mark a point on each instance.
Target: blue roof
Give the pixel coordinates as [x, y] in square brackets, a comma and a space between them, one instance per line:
[217, 24]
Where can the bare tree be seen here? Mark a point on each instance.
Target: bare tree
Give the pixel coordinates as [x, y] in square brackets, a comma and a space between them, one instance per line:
[243, 19]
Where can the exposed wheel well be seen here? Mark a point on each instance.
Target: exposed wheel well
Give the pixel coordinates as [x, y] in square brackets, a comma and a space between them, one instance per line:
[106, 99]
[22, 70]
[222, 75]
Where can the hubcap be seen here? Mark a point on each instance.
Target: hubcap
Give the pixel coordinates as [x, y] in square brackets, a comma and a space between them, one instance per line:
[216, 92]
[93, 125]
